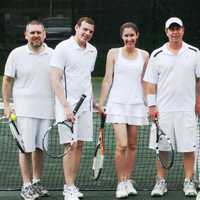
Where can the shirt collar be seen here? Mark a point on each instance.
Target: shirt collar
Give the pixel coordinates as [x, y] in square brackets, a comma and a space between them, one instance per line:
[77, 47]
[183, 48]
[45, 50]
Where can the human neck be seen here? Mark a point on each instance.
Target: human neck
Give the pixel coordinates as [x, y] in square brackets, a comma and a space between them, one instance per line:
[174, 47]
[36, 50]
[81, 44]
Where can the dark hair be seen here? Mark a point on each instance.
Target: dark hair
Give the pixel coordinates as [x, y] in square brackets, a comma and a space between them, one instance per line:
[85, 19]
[129, 25]
[34, 22]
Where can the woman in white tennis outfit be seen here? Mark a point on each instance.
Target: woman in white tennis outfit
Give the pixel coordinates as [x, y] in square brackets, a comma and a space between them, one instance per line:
[125, 107]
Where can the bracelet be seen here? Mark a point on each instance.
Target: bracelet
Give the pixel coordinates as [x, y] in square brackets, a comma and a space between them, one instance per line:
[151, 100]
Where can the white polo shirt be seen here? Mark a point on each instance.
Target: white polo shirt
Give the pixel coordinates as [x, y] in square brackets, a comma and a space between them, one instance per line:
[175, 77]
[78, 63]
[32, 93]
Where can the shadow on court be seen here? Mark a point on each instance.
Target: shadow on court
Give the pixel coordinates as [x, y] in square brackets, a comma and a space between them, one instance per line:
[100, 195]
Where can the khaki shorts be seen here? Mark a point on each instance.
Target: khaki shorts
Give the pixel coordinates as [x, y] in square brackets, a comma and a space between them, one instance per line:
[180, 127]
[83, 129]
[32, 131]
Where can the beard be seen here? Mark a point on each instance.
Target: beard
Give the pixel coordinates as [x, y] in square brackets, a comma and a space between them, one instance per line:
[36, 45]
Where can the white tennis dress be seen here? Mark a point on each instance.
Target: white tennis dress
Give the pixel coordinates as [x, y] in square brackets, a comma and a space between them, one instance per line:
[125, 102]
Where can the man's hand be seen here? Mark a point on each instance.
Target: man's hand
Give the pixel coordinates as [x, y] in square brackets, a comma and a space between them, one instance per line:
[153, 112]
[69, 115]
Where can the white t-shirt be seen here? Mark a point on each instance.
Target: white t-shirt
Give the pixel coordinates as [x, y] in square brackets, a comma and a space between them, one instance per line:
[78, 63]
[175, 77]
[32, 93]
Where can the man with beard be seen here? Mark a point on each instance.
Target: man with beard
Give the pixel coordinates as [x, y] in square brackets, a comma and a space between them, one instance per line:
[27, 76]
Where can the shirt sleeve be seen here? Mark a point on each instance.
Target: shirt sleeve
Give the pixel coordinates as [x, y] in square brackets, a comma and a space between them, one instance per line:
[94, 61]
[151, 73]
[58, 58]
[10, 67]
[197, 69]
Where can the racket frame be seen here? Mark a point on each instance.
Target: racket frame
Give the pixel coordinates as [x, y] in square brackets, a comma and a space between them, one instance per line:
[100, 147]
[15, 133]
[69, 125]
[162, 133]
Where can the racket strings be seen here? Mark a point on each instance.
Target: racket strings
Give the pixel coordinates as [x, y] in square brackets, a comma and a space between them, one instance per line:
[51, 141]
[166, 154]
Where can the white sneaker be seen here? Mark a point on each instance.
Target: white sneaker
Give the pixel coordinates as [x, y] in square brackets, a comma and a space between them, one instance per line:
[41, 190]
[74, 190]
[69, 195]
[189, 188]
[121, 191]
[130, 188]
[198, 196]
[160, 188]
[28, 193]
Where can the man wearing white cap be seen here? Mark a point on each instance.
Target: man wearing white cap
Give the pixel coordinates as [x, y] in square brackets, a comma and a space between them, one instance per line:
[171, 86]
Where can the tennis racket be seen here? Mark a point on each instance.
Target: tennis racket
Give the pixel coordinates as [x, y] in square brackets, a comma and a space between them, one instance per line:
[99, 151]
[164, 148]
[51, 142]
[15, 133]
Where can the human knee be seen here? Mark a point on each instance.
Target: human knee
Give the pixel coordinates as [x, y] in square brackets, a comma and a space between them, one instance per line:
[132, 146]
[78, 145]
[121, 147]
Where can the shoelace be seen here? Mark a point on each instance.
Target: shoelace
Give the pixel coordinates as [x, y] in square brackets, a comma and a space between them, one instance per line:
[160, 185]
[29, 190]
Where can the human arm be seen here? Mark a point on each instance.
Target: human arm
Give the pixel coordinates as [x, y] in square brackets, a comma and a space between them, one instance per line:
[6, 94]
[108, 78]
[151, 100]
[56, 75]
[145, 55]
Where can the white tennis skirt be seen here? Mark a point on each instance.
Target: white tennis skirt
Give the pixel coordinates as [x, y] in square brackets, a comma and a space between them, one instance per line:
[132, 114]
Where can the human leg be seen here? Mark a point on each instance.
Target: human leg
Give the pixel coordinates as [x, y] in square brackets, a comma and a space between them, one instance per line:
[186, 134]
[120, 131]
[27, 191]
[130, 158]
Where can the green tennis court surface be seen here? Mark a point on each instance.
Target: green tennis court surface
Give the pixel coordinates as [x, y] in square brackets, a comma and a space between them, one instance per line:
[103, 195]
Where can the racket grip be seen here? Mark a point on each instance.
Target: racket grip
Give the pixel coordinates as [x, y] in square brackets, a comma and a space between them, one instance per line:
[78, 105]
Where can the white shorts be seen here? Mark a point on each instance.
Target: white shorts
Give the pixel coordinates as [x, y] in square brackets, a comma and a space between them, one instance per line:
[32, 131]
[180, 127]
[134, 114]
[83, 129]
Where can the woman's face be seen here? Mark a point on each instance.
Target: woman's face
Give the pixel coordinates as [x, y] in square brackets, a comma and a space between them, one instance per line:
[129, 37]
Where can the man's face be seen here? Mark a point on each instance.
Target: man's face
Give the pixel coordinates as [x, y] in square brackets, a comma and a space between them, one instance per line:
[35, 35]
[84, 32]
[175, 33]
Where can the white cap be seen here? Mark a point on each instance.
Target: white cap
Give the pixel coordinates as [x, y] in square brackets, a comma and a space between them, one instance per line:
[173, 20]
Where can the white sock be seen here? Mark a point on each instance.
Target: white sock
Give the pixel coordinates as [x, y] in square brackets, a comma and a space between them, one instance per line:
[68, 186]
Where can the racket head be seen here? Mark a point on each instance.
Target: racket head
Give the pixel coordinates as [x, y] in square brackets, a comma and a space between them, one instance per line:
[97, 162]
[165, 152]
[51, 140]
[98, 158]
[164, 148]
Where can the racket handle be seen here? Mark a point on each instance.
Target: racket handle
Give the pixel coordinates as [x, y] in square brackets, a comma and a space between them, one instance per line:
[103, 118]
[78, 105]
